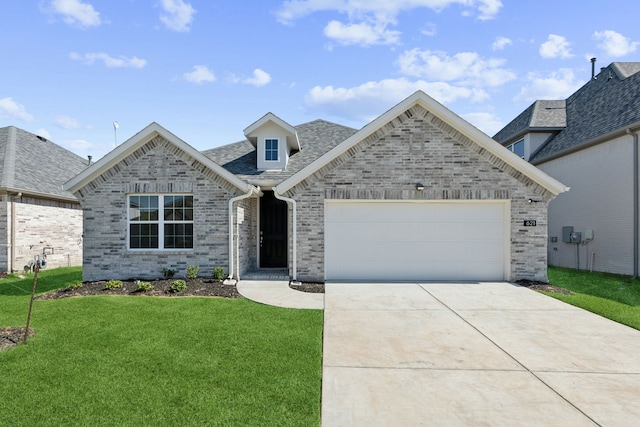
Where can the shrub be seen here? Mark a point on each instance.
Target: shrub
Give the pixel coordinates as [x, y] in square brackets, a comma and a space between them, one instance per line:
[144, 286]
[177, 286]
[75, 285]
[192, 271]
[218, 273]
[167, 272]
[113, 284]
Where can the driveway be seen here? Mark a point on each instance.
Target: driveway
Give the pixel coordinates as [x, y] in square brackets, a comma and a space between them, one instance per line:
[458, 354]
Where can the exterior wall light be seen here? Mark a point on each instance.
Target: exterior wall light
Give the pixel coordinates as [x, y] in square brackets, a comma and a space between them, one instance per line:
[532, 201]
[419, 186]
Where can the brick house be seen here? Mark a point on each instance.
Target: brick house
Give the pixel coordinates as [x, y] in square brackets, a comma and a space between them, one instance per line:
[36, 214]
[417, 194]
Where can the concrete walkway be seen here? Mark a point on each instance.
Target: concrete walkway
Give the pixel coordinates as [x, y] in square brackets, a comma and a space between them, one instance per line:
[489, 354]
[278, 293]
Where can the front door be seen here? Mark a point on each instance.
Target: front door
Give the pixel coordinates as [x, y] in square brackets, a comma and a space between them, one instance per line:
[273, 232]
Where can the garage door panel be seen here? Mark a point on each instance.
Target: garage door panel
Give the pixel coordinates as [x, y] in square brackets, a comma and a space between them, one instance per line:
[415, 241]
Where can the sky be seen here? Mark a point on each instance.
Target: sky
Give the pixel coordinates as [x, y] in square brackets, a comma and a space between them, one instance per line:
[207, 69]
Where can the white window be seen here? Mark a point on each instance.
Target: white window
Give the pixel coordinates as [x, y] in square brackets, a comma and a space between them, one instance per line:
[160, 221]
[271, 150]
[518, 148]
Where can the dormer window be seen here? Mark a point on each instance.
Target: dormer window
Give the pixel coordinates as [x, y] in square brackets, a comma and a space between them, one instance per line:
[271, 150]
[517, 148]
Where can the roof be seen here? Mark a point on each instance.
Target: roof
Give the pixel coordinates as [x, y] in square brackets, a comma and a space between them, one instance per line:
[138, 140]
[448, 117]
[542, 115]
[292, 138]
[606, 105]
[33, 165]
[316, 138]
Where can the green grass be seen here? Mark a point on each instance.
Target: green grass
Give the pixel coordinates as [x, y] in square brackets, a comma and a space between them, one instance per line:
[110, 360]
[613, 296]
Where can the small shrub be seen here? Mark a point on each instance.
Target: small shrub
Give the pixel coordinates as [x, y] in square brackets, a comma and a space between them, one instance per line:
[75, 285]
[218, 273]
[167, 273]
[113, 284]
[192, 271]
[177, 286]
[144, 286]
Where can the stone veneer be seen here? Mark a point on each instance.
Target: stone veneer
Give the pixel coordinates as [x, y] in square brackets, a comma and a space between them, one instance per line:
[158, 167]
[419, 147]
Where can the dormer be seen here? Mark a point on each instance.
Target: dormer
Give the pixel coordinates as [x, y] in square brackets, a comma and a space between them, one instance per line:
[275, 141]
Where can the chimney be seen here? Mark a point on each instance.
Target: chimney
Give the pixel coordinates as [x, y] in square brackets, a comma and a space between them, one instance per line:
[593, 68]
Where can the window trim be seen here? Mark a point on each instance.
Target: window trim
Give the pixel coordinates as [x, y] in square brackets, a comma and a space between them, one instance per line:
[161, 222]
[277, 150]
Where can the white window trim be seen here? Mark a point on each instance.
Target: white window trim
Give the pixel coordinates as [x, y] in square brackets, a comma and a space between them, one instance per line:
[277, 150]
[160, 223]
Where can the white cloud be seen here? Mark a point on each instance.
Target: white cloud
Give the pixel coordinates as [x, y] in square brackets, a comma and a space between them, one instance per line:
[500, 43]
[66, 122]
[365, 102]
[363, 34]
[260, 78]
[556, 85]
[467, 68]
[200, 74]
[10, 108]
[555, 47]
[430, 29]
[77, 13]
[615, 44]
[369, 20]
[486, 122]
[177, 15]
[108, 60]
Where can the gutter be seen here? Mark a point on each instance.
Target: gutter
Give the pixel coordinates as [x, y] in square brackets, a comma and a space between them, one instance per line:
[636, 202]
[251, 192]
[294, 226]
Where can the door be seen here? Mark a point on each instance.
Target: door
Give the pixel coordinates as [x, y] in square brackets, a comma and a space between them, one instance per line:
[273, 232]
[402, 241]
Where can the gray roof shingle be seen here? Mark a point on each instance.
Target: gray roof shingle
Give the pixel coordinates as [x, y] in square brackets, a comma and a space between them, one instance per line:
[542, 115]
[316, 138]
[32, 163]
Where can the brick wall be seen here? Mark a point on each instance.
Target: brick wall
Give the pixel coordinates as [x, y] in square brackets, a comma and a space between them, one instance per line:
[418, 147]
[157, 167]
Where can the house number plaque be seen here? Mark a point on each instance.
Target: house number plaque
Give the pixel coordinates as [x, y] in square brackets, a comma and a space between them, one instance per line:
[529, 222]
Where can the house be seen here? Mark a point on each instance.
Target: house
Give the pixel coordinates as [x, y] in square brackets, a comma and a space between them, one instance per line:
[416, 194]
[36, 215]
[589, 142]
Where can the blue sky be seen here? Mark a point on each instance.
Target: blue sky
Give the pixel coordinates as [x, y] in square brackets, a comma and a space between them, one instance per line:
[207, 69]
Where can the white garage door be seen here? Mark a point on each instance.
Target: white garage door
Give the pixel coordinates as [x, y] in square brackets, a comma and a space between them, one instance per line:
[401, 241]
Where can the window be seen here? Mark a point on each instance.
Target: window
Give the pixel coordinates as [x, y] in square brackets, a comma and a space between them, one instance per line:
[169, 227]
[271, 149]
[517, 148]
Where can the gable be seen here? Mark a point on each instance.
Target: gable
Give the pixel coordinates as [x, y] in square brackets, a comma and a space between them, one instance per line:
[138, 145]
[396, 124]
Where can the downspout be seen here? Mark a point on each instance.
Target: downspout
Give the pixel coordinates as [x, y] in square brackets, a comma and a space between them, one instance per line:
[12, 255]
[292, 202]
[253, 190]
[636, 202]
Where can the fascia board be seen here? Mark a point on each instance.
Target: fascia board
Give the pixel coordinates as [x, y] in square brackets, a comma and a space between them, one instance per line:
[445, 115]
[136, 141]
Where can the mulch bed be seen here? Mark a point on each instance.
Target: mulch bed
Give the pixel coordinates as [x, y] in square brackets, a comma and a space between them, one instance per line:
[312, 288]
[10, 337]
[542, 286]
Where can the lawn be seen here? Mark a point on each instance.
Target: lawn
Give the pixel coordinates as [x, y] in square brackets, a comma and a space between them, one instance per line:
[610, 295]
[108, 360]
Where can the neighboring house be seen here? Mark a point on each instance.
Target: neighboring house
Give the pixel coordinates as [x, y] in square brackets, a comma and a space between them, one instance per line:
[36, 214]
[417, 194]
[589, 142]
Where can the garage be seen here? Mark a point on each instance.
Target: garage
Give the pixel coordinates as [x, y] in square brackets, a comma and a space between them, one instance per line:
[416, 240]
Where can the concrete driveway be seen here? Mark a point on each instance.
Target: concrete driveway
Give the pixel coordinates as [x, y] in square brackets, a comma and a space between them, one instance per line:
[459, 354]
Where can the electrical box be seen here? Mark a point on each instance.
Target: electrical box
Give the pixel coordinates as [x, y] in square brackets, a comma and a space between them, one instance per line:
[576, 237]
[567, 231]
[588, 234]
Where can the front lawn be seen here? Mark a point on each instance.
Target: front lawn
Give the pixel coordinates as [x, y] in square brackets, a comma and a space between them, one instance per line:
[113, 360]
[613, 296]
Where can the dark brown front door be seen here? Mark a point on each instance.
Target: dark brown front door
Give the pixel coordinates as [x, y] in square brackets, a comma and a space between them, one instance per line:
[273, 232]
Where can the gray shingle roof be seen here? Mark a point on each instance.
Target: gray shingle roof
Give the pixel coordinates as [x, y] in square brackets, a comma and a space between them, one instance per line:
[542, 115]
[316, 138]
[31, 163]
[609, 103]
